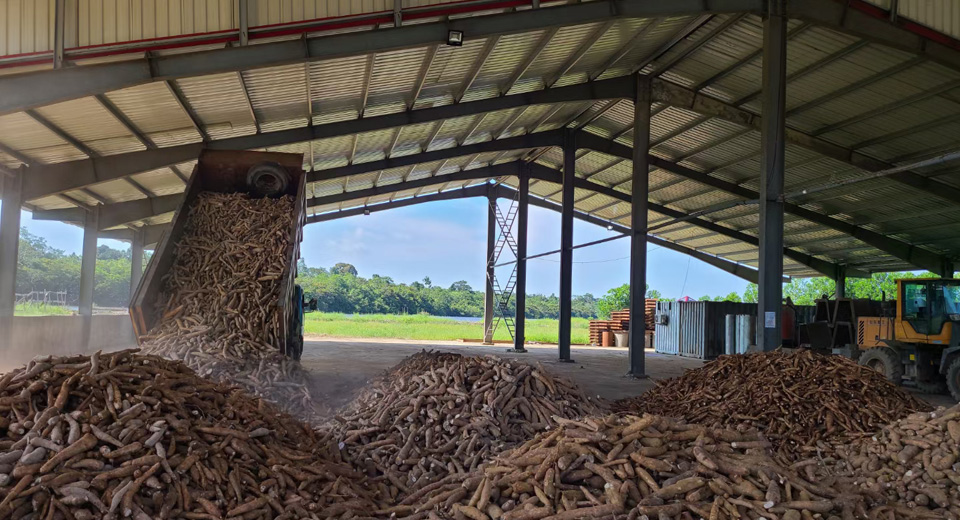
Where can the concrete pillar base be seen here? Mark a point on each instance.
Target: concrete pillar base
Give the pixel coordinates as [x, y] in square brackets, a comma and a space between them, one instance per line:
[516, 351]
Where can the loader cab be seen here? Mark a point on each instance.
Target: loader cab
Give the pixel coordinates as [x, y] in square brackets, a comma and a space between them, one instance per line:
[927, 305]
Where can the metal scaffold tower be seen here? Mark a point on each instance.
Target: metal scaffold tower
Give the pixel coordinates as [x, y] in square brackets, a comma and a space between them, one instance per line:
[503, 293]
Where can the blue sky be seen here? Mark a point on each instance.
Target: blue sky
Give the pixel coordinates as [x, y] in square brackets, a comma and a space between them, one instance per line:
[446, 241]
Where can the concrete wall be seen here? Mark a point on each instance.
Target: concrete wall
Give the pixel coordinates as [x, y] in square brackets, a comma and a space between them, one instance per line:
[24, 337]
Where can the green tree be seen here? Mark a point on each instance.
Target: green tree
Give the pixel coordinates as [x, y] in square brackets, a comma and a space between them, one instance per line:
[112, 285]
[654, 294]
[616, 299]
[343, 268]
[460, 285]
[732, 297]
[750, 294]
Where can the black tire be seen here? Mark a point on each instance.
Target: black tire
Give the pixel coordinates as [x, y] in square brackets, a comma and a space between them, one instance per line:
[267, 179]
[883, 360]
[295, 342]
[953, 378]
[295, 336]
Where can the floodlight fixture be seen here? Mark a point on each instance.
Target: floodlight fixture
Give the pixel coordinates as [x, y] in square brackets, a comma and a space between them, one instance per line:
[455, 38]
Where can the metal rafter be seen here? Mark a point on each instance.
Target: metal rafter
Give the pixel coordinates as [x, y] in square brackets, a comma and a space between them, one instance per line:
[125, 121]
[680, 96]
[365, 90]
[908, 252]
[308, 93]
[813, 67]
[116, 213]
[690, 49]
[733, 67]
[531, 57]
[668, 45]
[22, 91]
[89, 152]
[59, 132]
[578, 54]
[926, 125]
[393, 142]
[353, 149]
[660, 51]
[433, 135]
[856, 85]
[477, 66]
[422, 77]
[54, 178]
[135, 131]
[95, 196]
[625, 49]
[187, 109]
[18, 155]
[249, 103]
[909, 100]
[503, 130]
[477, 122]
[598, 114]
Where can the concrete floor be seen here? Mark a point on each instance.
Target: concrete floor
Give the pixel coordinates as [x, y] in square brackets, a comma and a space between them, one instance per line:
[341, 366]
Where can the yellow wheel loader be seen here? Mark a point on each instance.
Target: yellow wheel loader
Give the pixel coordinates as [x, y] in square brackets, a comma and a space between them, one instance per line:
[921, 344]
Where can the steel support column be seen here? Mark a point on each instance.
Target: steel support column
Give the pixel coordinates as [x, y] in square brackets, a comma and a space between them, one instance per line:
[10, 240]
[523, 212]
[488, 285]
[638, 226]
[566, 243]
[59, 32]
[136, 261]
[772, 132]
[244, 12]
[840, 279]
[88, 261]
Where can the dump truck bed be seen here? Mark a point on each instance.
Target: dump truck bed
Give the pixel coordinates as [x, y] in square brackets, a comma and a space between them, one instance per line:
[227, 171]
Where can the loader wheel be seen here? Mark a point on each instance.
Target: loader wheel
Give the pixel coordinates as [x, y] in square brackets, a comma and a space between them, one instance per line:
[295, 334]
[885, 361]
[953, 378]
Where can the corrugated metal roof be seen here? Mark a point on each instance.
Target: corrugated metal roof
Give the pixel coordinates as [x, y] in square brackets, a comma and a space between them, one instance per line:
[154, 110]
[220, 102]
[891, 118]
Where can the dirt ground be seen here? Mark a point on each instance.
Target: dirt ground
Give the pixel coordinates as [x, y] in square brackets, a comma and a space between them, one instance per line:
[341, 366]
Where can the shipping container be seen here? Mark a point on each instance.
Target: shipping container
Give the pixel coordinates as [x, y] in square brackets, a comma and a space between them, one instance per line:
[694, 329]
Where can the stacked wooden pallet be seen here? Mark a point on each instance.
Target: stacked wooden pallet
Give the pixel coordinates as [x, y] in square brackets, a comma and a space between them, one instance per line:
[649, 310]
[620, 321]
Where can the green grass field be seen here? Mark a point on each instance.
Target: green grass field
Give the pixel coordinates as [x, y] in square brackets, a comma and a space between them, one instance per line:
[37, 309]
[428, 328]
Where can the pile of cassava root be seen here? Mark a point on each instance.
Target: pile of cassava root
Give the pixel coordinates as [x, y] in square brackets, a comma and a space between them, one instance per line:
[912, 463]
[219, 304]
[632, 467]
[440, 415]
[798, 399]
[128, 435]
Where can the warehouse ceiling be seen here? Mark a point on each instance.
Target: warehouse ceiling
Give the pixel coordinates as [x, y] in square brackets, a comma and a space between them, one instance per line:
[384, 113]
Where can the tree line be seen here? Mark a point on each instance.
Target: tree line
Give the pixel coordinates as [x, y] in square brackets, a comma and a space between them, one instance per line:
[41, 267]
[341, 289]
